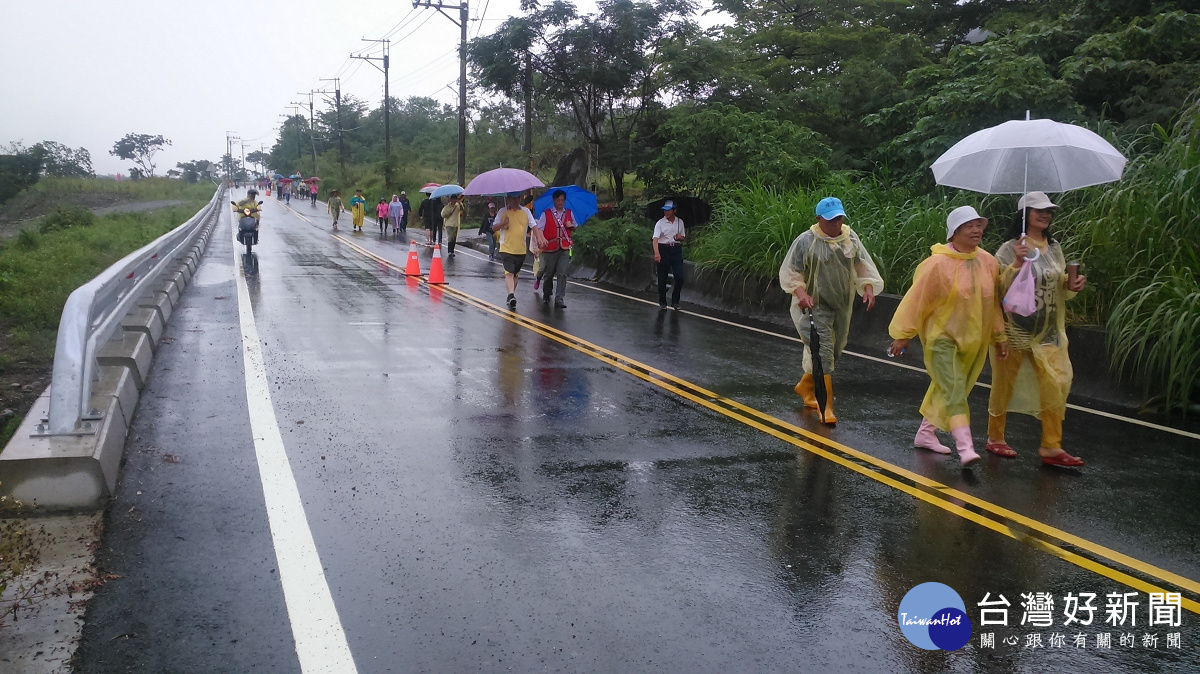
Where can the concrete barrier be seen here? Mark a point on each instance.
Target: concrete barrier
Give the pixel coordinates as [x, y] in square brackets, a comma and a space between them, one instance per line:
[78, 471]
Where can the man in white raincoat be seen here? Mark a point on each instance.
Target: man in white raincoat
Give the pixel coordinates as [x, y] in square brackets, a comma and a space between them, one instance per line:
[823, 270]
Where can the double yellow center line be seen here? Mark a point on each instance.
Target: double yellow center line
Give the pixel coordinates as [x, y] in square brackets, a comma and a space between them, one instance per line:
[1081, 552]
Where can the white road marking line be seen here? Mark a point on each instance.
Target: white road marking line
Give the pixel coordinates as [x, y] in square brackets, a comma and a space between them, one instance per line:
[885, 361]
[320, 641]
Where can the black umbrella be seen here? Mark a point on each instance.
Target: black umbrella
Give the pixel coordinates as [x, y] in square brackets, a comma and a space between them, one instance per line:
[818, 370]
[692, 210]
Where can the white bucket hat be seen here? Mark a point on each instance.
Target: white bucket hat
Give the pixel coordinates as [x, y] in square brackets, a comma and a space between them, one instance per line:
[1037, 200]
[960, 216]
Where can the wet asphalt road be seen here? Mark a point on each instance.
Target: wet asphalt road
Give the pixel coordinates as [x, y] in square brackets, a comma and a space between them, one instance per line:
[483, 496]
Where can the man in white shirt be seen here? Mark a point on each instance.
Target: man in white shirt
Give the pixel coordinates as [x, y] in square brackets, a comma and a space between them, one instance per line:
[668, 254]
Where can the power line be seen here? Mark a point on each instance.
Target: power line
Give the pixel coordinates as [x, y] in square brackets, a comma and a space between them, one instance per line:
[482, 17]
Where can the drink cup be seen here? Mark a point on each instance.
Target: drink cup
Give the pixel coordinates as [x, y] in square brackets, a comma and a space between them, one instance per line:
[1072, 272]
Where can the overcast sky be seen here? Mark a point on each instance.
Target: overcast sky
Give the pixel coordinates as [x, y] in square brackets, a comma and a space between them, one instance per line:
[87, 72]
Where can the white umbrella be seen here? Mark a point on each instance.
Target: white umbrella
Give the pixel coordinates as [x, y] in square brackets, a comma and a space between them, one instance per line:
[1020, 156]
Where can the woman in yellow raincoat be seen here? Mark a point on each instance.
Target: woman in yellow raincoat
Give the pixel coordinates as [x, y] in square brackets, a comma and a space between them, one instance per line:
[1040, 387]
[358, 209]
[823, 270]
[954, 306]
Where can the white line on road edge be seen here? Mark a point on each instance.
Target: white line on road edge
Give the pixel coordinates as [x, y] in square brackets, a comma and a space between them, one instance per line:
[884, 361]
[320, 641]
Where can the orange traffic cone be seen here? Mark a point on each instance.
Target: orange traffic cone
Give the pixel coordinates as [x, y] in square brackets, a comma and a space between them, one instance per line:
[414, 264]
[436, 275]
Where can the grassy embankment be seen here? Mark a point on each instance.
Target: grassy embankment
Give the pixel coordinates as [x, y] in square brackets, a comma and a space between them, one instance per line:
[1138, 240]
[41, 266]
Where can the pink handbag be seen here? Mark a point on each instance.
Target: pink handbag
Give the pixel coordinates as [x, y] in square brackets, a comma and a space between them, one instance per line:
[1020, 298]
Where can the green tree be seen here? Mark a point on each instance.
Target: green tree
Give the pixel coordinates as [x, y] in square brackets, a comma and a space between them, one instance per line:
[63, 162]
[605, 71]
[707, 149]
[20, 168]
[195, 171]
[140, 148]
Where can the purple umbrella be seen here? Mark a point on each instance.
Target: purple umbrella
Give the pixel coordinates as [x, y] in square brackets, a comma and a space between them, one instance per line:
[502, 181]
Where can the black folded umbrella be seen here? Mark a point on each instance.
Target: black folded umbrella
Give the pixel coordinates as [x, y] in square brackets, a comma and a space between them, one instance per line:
[818, 370]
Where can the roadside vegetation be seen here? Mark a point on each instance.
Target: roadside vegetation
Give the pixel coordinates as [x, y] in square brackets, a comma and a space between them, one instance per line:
[41, 266]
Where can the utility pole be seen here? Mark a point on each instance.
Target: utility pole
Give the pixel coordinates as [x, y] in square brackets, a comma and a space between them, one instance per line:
[296, 113]
[387, 125]
[461, 22]
[337, 95]
[311, 131]
[229, 138]
[528, 84]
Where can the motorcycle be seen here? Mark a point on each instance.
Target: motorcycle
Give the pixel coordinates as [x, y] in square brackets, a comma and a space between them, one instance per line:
[248, 226]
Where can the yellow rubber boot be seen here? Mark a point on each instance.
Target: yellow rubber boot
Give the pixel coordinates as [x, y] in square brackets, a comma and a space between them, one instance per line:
[829, 418]
[806, 389]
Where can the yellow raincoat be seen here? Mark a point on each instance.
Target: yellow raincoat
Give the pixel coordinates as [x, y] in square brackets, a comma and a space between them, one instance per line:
[831, 270]
[954, 306]
[1036, 377]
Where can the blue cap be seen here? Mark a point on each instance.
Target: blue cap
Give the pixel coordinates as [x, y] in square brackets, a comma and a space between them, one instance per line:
[669, 206]
[830, 208]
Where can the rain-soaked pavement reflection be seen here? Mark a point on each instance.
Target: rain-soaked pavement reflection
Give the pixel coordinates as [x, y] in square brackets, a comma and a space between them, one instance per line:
[485, 496]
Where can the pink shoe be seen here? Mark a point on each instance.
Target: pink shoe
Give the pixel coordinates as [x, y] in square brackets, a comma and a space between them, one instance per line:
[927, 438]
[965, 445]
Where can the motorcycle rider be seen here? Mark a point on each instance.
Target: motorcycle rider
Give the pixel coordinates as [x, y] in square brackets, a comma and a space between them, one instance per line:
[250, 202]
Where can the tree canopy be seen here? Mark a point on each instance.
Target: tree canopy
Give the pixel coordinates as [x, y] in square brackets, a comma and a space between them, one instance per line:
[140, 148]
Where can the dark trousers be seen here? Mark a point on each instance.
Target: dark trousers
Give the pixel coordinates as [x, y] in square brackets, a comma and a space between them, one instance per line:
[672, 262]
[555, 265]
[313, 195]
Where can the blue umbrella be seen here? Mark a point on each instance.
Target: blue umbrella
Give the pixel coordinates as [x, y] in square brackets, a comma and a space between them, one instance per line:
[278, 176]
[581, 202]
[446, 191]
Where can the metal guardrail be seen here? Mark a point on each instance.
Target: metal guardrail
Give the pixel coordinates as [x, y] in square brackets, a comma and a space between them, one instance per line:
[93, 315]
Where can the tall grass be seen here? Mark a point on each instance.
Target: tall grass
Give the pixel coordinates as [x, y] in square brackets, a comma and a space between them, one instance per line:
[146, 189]
[1141, 243]
[753, 228]
[39, 271]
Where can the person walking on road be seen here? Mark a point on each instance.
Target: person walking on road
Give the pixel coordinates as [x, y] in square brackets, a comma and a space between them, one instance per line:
[453, 214]
[381, 215]
[396, 215]
[287, 197]
[407, 211]
[954, 306]
[556, 226]
[334, 206]
[668, 254]
[431, 212]
[824, 269]
[312, 192]
[485, 229]
[512, 223]
[358, 209]
[1040, 338]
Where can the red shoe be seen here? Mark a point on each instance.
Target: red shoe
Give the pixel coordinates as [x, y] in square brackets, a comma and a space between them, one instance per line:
[1062, 459]
[1001, 449]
